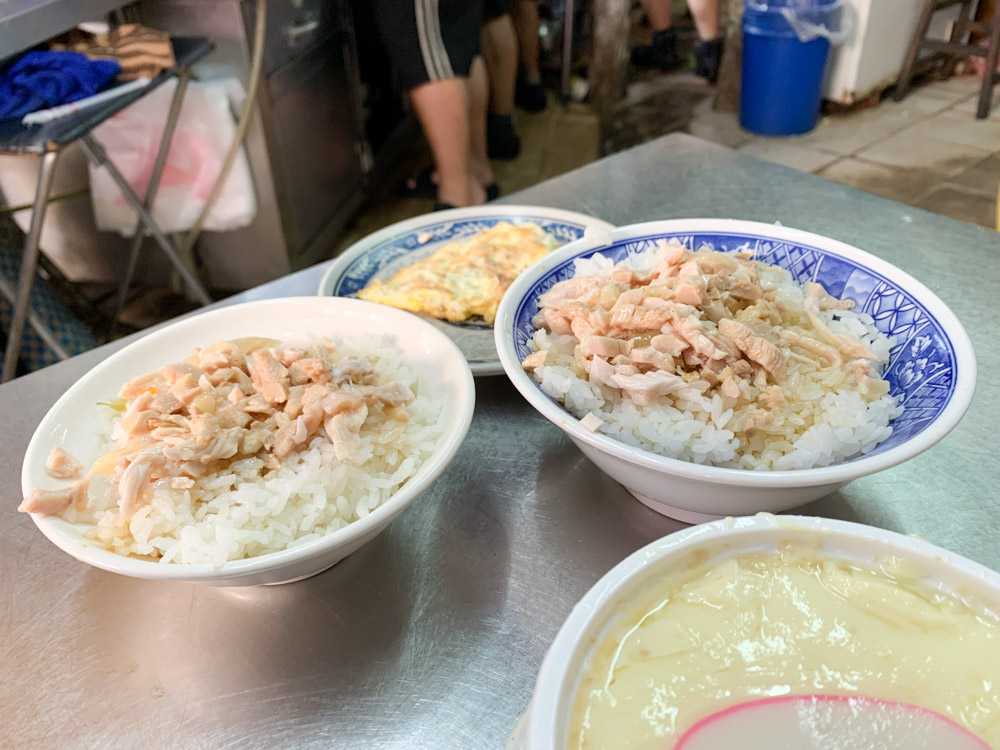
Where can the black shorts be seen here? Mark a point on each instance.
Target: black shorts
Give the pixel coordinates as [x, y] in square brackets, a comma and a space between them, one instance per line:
[429, 40]
[494, 9]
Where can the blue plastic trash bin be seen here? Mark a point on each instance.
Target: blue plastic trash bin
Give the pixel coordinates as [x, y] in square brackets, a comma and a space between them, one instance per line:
[782, 75]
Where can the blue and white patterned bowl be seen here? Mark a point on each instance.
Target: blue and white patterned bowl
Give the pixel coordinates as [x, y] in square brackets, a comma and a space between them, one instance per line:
[932, 367]
[383, 253]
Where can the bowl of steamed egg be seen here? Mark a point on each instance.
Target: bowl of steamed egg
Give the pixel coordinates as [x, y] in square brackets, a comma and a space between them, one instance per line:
[777, 632]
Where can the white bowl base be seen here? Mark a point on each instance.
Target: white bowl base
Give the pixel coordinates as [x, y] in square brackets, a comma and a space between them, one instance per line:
[299, 578]
[678, 514]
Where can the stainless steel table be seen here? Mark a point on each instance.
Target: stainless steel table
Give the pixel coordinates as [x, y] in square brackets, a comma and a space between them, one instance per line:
[430, 637]
[25, 23]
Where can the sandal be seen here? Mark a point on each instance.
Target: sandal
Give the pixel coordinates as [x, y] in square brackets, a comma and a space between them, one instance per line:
[492, 193]
[425, 188]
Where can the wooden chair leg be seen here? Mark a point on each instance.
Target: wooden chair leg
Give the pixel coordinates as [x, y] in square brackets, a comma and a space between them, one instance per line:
[906, 74]
[989, 74]
[958, 32]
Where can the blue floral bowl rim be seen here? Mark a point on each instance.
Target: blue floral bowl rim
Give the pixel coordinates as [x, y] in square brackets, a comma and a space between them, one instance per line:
[958, 404]
[366, 244]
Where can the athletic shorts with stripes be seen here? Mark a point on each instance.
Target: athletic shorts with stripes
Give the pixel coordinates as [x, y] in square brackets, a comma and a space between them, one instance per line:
[429, 40]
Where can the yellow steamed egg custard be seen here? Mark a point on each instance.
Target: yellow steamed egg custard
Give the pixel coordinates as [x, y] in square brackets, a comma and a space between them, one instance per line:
[763, 641]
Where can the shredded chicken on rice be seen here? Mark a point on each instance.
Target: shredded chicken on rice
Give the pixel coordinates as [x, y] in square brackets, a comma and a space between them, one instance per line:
[232, 400]
[694, 326]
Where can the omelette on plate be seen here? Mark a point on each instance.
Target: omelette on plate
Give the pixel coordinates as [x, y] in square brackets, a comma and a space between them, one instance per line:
[465, 278]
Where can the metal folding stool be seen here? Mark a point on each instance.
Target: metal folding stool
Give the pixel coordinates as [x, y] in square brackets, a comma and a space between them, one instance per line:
[48, 141]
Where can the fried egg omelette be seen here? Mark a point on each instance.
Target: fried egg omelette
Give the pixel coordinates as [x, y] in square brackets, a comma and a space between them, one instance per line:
[465, 278]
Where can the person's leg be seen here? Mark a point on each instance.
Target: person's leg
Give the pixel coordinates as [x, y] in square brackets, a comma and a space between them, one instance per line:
[432, 58]
[524, 15]
[479, 174]
[706, 21]
[479, 163]
[443, 110]
[529, 93]
[499, 45]
[706, 17]
[662, 53]
[658, 14]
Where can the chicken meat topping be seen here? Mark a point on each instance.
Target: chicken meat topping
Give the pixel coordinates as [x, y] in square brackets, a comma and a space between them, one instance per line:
[229, 401]
[697, 323]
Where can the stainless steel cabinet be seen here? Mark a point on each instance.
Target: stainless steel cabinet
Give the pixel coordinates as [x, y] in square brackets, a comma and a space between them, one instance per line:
[314, 134]
[293, 26]
[306, 145]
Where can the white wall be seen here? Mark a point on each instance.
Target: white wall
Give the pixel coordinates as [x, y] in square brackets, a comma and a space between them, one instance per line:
[873, 55]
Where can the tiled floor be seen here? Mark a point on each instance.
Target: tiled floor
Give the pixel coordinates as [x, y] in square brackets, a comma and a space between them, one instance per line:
[928, 150]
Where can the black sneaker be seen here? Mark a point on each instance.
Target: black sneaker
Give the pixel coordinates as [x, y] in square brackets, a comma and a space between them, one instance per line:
[707, 59]
[530, 97]
[502, 141]
[662, 53]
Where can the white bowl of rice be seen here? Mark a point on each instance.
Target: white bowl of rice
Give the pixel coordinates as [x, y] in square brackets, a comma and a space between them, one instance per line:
[260, 520]
[718, 367]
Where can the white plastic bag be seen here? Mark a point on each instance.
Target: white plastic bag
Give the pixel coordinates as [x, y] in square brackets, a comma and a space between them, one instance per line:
[203, 136]
[807, 30]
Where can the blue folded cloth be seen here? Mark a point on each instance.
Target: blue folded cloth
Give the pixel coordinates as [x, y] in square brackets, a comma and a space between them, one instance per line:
[40, 80]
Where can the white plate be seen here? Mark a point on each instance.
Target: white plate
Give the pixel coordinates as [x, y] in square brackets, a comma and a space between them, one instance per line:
[73, 423]
[382, 254]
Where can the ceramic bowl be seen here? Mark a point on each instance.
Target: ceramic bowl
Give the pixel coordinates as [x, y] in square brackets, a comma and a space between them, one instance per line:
[547, 720]
[382, 254]
[932, 367]
[73, 424]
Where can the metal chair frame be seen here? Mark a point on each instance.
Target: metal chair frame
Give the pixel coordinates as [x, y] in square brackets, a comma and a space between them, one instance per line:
[48, 160]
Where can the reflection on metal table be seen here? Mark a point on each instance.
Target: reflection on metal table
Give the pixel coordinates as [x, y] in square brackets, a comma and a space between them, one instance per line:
[431, 636]
[25, 23]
